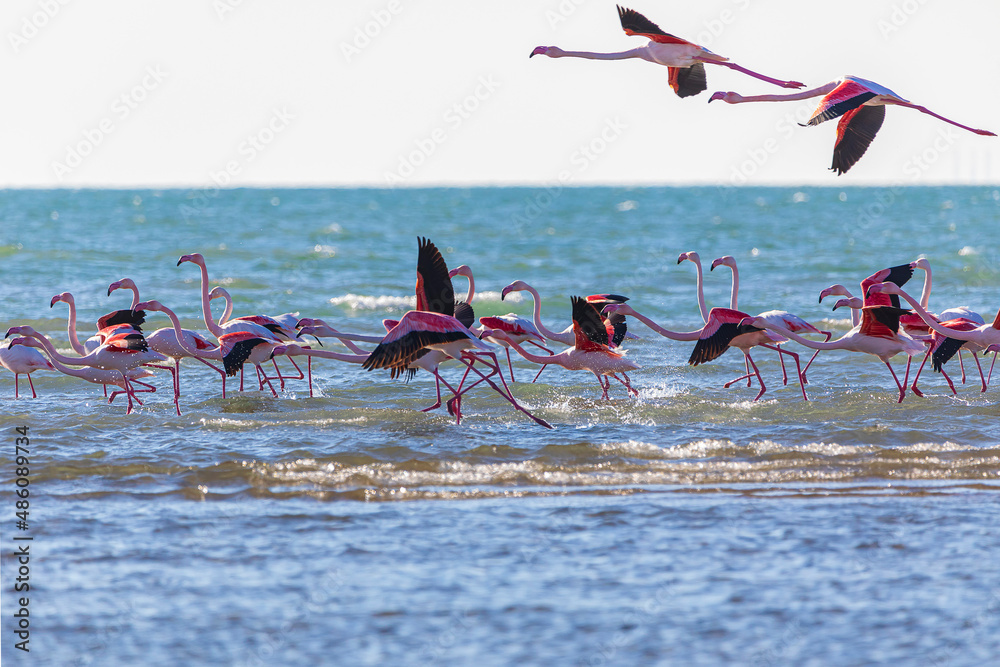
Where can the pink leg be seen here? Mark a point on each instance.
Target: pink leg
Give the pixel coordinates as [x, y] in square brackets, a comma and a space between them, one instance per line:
[798, 368]
[985, 133]
[962, 364]
[16, 393]
[510, 399]
[759, 378]
[217, 370]
[990, 376]
[627, 383]
[781, 358]
[919, 371]
[980, 367]
[175, 376]
[309, 366]
[34, 395]
[510, 366]
[950, 383]
[829, 335]
[777, 82]
[902, 389]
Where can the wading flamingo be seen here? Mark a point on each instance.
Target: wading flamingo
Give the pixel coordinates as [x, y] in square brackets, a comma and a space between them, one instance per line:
[588, 353]
[685, 60]
[94, 375]
[859, 103]
[21, 360]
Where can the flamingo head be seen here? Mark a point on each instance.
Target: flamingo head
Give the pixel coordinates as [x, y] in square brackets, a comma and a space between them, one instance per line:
[758, 323]
[281, 349]
[620, 308]
[219, 293]
[24, 340]
[495, 334]
[463, 270]
[516, 286]
[834, 290]
[65, 297]
[196, 257]
[124, 283]
[148, 305]
[921, 263]
[850, 302]
[23, 330]
[727, 260]
[550, 51]
[729, 97]
[690, 256]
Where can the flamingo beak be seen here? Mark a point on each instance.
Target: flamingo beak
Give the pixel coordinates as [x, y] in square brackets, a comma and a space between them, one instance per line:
[539, 50]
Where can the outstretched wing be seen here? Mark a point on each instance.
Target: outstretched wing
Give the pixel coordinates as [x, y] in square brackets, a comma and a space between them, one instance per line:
[435, 293]
[855, 132]
[634, 23]
[848, 95]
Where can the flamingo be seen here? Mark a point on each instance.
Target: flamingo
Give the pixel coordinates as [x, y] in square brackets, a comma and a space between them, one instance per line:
[517, 327]
[114, 322]
[685, 60]
[165, 342]
[855, 303]
[21, 360]
[120, 352]
[92, 343]
[91, 374]
[985, 335]
[783, 318]
[235, 347]
[260, 326]
[590, 351]
[567, 336]
[695, 259]
[421, 330]
[860, 104]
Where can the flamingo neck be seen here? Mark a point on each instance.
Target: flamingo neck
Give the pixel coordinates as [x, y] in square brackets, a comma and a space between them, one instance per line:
[537, 316]
[54, 355]
[735, 290]
[74, 340]
[534, 358]
[930, 320]
[925, 294]
[213, 353]
[996, 321]
[472, 290]
[359, 358]
[788, 97]
[135, 296]
[666, 333]
[639, 52]
[206, 306]
[838, 344]
[701, 291]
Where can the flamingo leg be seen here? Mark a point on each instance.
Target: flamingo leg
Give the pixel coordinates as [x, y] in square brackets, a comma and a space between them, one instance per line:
[798, 368]
[950, 383]
[919, 371]
[756, 75]
[784, 375]
[759, 378]
[437, 387]
[510, 399]
[829, 335]
[962, 364]
[985, 133]
[979, 366]
[16, 394]
[309, 366]
[34, 395]
[627, 383]
[543, 365]
[990, 376]
[902, 389]
[217, 370]
[176, 380]
[510, 366]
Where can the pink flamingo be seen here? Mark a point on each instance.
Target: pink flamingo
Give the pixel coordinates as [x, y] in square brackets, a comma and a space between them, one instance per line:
[21, 360]
[685, 60]
[235, 347]
[165, 341]
[121, 352]
[695, 259]
[985, 336]
[260, 326]
[94, 375]
[590, 351]
[860, 104]
[422, 330]
[782, 318]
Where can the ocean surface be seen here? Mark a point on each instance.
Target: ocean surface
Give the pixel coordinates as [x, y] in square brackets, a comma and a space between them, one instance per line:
[687, 526]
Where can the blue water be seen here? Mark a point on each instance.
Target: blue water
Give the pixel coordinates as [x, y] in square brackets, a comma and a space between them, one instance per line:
[689, 525]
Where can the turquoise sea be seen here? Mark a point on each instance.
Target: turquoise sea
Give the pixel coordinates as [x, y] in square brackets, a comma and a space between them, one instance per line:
[688, 526]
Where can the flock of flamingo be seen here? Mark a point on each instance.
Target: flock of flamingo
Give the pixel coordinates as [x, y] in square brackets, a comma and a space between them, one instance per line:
[443, 329]
[859, 103]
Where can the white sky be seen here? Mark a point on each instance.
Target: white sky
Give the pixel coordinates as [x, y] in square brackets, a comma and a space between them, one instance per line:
[168, 93]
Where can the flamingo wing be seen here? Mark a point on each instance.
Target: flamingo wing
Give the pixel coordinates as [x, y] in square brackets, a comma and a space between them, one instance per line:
[616, 323]
[847, 96]
[944, 347]
[589, 329]
[855, 132]
[634, 23]
[465, 314]
[236, 349]
[898, 275]
[133, 318]
[415, 331]
[722, 327]
[881, 321]
[128, 340]
[434, 290]
[688, 81]
[606, 299]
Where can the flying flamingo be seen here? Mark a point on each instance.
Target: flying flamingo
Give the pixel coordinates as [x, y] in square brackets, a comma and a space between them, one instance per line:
[94, 375]
[121, 352]
[260, 326]
[783, 318]
[860, 104]
[165, 342]
[21, 360]
[685, 60]
[985, 335]
[235, 347]
[588, 353]
[423, 330]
